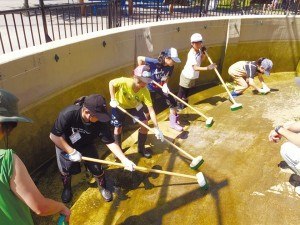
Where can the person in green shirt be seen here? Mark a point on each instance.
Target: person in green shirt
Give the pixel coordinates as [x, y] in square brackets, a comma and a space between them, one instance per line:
[131, 94]
[18, 193]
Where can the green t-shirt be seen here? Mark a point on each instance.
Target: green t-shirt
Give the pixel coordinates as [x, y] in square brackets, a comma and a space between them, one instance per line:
[125, 95]
[12, 210]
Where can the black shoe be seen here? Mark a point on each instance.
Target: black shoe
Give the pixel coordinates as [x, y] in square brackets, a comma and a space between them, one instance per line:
[106, 194]
[145, 152]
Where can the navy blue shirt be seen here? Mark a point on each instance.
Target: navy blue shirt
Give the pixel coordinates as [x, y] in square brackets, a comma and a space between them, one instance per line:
[251, 70]
[159, 73]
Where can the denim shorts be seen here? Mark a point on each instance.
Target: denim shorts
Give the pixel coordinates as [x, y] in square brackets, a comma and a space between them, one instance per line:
[118, 117]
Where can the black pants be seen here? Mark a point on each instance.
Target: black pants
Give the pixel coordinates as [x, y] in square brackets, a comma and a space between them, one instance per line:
[171, 102]
[183, 93]
[67, 167]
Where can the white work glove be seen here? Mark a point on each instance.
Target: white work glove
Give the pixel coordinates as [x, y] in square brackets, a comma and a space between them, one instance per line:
[113, 103]
[165, 88]
[266, 89]
[128, 165]
[211, 66]
[262, 91]
[75, 156]
[158, 134]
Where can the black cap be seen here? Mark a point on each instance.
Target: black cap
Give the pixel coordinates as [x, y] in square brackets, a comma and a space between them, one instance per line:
[96, 104]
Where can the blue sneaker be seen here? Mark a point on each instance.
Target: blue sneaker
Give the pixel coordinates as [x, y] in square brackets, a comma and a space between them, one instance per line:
[234, 94]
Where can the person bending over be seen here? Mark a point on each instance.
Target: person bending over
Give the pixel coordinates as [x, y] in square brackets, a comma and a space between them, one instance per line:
[74, 134]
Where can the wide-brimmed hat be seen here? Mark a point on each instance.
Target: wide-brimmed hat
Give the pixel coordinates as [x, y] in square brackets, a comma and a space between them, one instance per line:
[9, 108]
[96, 104]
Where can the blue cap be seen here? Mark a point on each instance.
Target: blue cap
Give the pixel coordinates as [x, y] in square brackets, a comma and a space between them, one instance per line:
[267, 64]
[173, 54]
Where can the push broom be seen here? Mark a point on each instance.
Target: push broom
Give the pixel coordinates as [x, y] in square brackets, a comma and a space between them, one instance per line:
[196, 162]
[209, 120]
[235, 105]
[199, 176]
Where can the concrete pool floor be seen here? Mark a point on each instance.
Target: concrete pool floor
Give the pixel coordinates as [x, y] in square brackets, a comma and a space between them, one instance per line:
[249, 183]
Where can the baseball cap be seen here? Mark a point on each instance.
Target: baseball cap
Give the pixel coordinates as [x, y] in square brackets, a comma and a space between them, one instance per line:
[196, 37]
[96, 104]
[142, 73]
[173, 54]
[267, 64]
[9, 108]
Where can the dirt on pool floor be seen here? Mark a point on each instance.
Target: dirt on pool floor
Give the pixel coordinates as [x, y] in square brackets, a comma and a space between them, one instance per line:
[248, 182]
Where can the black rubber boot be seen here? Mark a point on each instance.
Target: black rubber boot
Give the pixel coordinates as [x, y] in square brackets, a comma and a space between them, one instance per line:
[141, 145]
[106, 194]
[66, 195]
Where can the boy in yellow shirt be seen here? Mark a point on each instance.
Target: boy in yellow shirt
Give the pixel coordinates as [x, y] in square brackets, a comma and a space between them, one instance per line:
[130, 94]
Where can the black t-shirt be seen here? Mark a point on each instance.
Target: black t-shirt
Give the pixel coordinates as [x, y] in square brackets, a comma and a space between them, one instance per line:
[78, 133]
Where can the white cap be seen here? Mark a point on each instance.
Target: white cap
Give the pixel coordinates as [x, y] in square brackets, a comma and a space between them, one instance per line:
[196, 37]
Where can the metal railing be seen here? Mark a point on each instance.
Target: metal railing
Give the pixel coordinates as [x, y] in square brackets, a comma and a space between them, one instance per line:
[34, 26]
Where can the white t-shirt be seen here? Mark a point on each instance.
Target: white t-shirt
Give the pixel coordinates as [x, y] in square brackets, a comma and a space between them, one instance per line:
[194, 58]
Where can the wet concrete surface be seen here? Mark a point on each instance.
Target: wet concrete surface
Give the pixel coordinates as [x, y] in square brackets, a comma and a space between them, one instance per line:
[248, 182]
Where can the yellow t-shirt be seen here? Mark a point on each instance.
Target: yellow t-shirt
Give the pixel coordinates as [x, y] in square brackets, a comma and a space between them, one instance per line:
[125, 95]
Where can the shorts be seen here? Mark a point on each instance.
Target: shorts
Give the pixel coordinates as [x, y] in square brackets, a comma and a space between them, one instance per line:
[186, 82]
[67, 167]
[118, 117]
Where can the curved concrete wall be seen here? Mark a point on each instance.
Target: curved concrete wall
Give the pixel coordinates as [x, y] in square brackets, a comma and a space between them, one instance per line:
[49, 77]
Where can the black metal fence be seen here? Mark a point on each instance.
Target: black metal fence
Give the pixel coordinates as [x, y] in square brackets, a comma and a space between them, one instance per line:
[29, 27]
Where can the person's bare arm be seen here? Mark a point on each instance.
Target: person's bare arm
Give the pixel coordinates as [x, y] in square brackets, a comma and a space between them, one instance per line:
[114, 148]
[294, 127]
[290, 136]
[111, 89]
[152, 116]
[252, 84]
[24, 188]
[61, 143]
[261, 79]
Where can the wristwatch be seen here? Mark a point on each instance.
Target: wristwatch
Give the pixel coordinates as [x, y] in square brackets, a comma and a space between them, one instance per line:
[277, 129]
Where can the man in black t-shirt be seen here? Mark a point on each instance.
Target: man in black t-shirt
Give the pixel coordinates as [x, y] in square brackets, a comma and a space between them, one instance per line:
[74, 133]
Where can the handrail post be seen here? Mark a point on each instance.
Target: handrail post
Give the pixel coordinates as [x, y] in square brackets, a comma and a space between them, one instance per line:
[42, 6]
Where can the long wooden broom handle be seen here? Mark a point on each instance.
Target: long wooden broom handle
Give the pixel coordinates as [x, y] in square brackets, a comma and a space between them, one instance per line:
[150, 129]
[179, 99]
[139, 168]
[221, 79]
